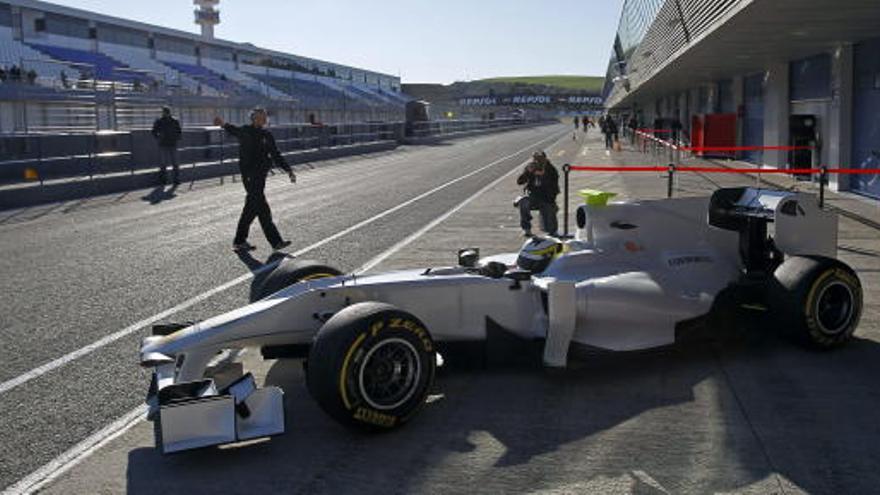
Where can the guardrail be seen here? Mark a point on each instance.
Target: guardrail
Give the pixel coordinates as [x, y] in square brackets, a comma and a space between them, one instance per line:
[89, 155]
[40, 158]
[434, 128]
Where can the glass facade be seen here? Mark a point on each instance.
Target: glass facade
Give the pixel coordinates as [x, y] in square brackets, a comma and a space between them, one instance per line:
[724, 100]
[122, 36]
[67, 26]
[866, 124]
[810, 78]
[175, 45]
[5, 15]
[635, 20]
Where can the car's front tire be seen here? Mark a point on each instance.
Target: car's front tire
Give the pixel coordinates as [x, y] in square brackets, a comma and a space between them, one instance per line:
[817, 301]
[371, 366]
[288, 272]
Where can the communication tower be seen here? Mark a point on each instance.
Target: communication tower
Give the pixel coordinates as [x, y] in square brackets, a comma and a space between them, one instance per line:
[207, 16]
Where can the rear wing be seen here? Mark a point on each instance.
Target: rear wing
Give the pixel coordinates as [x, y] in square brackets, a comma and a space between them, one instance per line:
[799, 226]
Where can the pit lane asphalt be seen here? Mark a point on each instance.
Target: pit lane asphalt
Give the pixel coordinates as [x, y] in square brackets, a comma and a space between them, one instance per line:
[75, 272]
[740, 411]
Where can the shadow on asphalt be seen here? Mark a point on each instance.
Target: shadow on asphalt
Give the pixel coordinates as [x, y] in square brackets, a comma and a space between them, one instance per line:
[710, 415]
[160, 194]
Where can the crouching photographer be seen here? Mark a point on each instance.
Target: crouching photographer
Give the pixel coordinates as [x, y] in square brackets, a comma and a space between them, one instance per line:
[540, 181]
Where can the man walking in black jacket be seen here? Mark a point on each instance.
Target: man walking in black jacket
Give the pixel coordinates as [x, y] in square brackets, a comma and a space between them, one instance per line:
[541, 182]
[166, 130]
[257, 153]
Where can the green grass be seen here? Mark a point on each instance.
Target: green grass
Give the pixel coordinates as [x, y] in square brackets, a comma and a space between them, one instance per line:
[579, 83]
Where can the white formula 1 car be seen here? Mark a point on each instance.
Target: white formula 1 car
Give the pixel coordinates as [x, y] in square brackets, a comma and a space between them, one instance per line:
[634, 274]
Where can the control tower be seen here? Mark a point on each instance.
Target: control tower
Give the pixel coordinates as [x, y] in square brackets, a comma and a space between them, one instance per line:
[207, 16]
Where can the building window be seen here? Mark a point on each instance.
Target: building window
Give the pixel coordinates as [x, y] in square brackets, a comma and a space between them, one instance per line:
[5, 15]
[40, 25]
[810, 78]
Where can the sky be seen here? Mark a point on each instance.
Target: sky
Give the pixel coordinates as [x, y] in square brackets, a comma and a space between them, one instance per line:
[438, 41]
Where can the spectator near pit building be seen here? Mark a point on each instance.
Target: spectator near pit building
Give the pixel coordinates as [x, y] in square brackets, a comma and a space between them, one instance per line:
[167, 132]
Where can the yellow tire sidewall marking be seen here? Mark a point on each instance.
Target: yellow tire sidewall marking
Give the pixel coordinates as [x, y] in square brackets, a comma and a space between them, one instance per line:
[343, 374]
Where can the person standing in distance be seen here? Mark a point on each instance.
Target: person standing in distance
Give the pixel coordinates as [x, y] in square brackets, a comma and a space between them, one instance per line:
[257, 152]
[166, 130]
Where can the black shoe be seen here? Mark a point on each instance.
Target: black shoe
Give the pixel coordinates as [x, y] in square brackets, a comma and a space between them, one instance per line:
[243, 247]
[280, 245]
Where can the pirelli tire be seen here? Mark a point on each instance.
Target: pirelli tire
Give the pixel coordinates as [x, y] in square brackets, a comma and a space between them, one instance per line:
[371, 366]
[817, 301]
[288, 272]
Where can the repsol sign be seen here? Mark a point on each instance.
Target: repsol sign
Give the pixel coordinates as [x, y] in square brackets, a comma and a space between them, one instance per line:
[496, 100]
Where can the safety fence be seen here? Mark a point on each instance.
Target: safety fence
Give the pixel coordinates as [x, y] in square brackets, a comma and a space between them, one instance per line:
[446, 127]
[45, 157]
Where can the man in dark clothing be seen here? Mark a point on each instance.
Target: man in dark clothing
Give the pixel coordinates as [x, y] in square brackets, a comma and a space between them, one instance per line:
[257, 152]
[609, 128]
[541, 183]
[167, 132]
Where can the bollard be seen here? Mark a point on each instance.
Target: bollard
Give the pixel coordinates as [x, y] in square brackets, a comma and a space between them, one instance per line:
[670, 177]
[566, 169]
[823, 178]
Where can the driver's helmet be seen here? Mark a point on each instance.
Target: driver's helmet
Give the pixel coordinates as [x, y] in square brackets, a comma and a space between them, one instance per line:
[537, 253]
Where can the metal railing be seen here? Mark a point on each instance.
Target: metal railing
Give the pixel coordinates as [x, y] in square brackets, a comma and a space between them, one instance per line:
[38, 158]
[433, 128]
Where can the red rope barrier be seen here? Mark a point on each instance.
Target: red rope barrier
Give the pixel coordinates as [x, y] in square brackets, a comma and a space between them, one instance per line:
[715, 170]
[620, 169]
[700, 149]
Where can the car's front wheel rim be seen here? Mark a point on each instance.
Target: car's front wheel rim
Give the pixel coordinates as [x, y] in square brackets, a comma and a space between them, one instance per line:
[389, 375]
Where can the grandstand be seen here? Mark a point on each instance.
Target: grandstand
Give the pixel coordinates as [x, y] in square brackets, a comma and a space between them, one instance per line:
[82, 71]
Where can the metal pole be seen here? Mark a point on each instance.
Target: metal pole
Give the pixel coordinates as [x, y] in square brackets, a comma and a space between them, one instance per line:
[566, 169]
[823, 178]
[669, 180]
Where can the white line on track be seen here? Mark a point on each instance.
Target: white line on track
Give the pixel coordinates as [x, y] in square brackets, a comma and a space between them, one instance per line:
[415, 235]
[64, 462]
[63, 360]
[73, 456]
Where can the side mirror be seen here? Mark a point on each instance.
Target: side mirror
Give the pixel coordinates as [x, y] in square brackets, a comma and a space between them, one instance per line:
[468, 257]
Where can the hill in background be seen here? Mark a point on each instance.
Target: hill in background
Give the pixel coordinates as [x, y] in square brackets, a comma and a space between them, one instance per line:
[506, 85]
[570, 83]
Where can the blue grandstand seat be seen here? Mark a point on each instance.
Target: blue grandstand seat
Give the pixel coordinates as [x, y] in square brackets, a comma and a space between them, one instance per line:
[208, 77]
[308, 92]
[106, 68]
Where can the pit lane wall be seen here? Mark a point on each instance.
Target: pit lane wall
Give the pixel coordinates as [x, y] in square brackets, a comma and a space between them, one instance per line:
[43, 168]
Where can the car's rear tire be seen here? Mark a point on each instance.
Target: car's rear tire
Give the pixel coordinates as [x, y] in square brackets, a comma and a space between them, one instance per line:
[817, 301]
[290, 271]
[371, 366]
